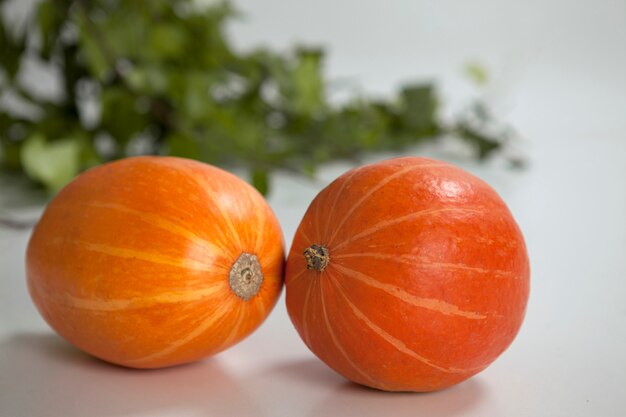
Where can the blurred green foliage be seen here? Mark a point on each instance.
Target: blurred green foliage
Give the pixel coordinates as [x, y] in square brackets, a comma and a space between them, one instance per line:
[160, 77]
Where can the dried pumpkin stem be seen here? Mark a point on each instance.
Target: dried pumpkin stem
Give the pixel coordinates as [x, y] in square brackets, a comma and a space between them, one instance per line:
[245, 276]
[317, 257]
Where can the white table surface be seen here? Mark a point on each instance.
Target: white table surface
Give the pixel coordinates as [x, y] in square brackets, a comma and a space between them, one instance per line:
[560, 78]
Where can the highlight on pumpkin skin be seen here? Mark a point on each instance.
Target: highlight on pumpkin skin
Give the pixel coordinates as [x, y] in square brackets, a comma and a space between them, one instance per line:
[421, 261]
[155, 261]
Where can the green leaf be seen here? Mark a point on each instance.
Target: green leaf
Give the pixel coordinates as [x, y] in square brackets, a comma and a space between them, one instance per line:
[121, 115]
[260, 180]
[484, 144]
[11, 50]
[54, 164]
[197, 103]
[209, 46]
[476, 73]
[88, 156]
[418, 108]
[10, 155]
[307, 83]
[167, 40]
[308, 169]
[51, 15]
[151, 79]
[123, 31]
[163, 76]
[92, 49]
[183, 145]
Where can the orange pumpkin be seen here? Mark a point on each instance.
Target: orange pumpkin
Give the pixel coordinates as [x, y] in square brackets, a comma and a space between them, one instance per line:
[155, 261]
[407, 275]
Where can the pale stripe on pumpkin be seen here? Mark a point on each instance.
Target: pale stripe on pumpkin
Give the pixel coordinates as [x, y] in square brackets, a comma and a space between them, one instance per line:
[211, 319]
[161, 223]
[375, 188]
[421, 262]
[117, 304]
[338, 344]
[412, 216]
[346, 180]
[208, 187]
[308, 241]
[397, 343]
[305, 313]
[316, 220]
[141, 255]
[234, 331]
[431, 304]
[261, 307]
[295, 277]
[258, 233]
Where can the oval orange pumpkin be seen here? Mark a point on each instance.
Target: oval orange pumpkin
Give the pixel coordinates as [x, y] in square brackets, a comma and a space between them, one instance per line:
[155, 261]
[407, 275]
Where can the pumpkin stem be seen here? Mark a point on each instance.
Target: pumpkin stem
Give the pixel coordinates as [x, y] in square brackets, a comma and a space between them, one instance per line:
[317, 257]
[245, 277]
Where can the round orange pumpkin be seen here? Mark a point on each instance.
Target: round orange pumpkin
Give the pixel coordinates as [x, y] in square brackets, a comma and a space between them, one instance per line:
[407, 275]
[149, 262]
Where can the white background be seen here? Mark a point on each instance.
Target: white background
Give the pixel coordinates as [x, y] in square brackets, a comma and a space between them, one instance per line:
[558, 75]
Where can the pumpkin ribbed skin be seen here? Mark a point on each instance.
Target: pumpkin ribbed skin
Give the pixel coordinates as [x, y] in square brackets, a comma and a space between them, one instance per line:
[131, 262]
[427, 278]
